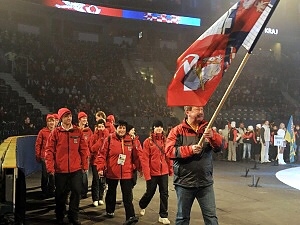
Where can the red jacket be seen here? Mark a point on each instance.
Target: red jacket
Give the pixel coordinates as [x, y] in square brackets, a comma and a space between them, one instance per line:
[40, 143]
[107, 159]
[153, 160]
[192, 170]
[96, 143]
[110, 127]
[87, 134]
[66, 151]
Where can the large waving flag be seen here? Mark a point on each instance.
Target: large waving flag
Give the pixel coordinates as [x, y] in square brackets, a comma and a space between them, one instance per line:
[290, 137]
[201, 67]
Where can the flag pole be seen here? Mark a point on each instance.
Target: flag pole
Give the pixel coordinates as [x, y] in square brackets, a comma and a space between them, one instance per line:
[225, 96]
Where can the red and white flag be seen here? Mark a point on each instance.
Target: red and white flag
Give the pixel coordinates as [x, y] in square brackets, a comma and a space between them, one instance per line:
[201, 67]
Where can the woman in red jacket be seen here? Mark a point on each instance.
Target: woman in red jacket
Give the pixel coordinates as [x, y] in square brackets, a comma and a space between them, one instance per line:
[117, 161]
[87, 134]
[156, 169]
[47, 181]
[98, 186]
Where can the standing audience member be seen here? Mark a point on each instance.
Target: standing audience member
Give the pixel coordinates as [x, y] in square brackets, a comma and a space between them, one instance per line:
[265, 137]
[98, 185]
[47, 180]
[240, 148]
[281, 133]
[257, 144]
[192, 165]
[232, 142]
[117, 161]
[87, 134]
[247, 142]
[273, 149]
[225, 135]
[67, 158]
[156, 169]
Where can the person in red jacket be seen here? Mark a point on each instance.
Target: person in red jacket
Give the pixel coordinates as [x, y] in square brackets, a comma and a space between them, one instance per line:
[192, 164]
[47, 181]
[96, 143]
[110, 121]
[137, 144]
[67, 158]
[156, 169]
[117, 161]
[87, 134]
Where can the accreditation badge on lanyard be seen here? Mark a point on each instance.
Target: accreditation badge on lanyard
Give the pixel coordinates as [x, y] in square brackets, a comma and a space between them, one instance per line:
[122, 157]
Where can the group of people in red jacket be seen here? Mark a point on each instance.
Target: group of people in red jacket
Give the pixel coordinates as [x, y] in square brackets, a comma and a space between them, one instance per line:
[115, 155]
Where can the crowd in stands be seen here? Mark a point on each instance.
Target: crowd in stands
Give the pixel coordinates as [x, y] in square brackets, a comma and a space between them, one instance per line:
[80, 75]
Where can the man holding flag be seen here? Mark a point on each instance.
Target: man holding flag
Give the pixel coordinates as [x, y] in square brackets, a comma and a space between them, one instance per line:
[199, 71]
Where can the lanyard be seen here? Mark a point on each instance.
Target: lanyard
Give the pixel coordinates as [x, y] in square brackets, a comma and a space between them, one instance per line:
[122, 145]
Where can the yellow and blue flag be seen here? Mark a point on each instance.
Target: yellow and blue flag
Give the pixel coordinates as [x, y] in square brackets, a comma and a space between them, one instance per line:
[290, 137]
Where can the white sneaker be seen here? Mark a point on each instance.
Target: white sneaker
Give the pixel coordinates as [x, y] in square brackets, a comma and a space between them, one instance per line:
[164, 220]
[142, 212]
[101, 202]
[95, 203]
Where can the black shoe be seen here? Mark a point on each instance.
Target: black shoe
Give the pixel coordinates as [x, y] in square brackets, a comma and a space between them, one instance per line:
[60, 222]
[131, 220]
[110, 215]
[74, 222]
[84, 196]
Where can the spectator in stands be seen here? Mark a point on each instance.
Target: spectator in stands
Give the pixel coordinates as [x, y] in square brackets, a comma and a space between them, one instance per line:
[47, 180]
[157, 168]
[87, 134]
[117, 161]
[67, 158]
[265, 137]
[193, 165]
[98, 185]
[27, 127]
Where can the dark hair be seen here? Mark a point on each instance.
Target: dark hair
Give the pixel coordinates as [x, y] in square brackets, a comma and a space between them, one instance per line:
[121, 123]
[101, 121]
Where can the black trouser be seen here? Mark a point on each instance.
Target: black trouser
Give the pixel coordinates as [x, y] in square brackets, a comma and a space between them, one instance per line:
[162, 182]
[273, 152]
[47, 180]
[239, 151]
[65, 182]
[98, 187]
[127, 196]
[85, 184]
